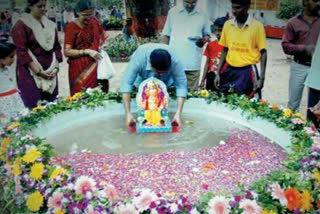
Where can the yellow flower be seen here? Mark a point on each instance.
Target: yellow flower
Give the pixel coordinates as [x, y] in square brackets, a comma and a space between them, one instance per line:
[59, 211]
[317, 176]
[268, 212]
[306, 200]
[35, 201]
[31, 156]
[300, 116]
[204, 93]
[3, 148]
[74, 97]
[57, 172]
[38, 108]
[13, 126]
[37, 171]
[17, 167]
[287, 112]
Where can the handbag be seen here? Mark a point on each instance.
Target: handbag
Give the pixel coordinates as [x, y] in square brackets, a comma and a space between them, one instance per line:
[105, 69]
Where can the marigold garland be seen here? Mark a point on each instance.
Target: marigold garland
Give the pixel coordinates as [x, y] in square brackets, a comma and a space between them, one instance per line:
[13, 126]
[17, 167]
[293, 197]
[306, 200]
[57, 172]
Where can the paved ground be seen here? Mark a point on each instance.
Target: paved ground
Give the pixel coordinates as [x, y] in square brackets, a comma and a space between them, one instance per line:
[276, 83]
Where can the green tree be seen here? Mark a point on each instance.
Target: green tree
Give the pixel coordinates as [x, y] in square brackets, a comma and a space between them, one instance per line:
[289, 8]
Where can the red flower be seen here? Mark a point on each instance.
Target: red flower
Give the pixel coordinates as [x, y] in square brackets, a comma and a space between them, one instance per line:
[293, 197]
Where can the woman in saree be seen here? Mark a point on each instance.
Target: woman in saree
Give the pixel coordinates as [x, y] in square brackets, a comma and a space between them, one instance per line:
[38, 55]
[83, 38]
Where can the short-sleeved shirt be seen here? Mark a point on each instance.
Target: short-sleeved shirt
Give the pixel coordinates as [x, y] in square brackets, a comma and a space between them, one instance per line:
[244, 44]
[180, 27]
[313, 78]
[213, 52]
[139, 69]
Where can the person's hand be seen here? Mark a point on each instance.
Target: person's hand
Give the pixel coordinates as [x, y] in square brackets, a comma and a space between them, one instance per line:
[316, 110]
[217, 81]
[53, 72]
[177, 119]
[260, 85]
[45, 75]
[309, 49]
[200, 43]
[93, 54]
[130, 120]
[202, 83]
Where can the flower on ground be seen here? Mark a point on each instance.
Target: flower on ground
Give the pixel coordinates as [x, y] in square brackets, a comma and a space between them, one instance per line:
[54, 202]
[263, 102]
[306, 200]
[293, 197]
[111, 193]
[278, 193]
[13, 126]
[299, 115]
[194, 211]
[275, 107]
[58, 171]
[17, 167]
[298, 121]
[268, 212]
[218, 205]
[287, 112]
[204, 93]
[126, 209]
[3, 148]
[84, 184]
[59, 211]
[74, 97]
[250, 207]
[35, 201]
[38, 108]
[317, 176]
[37, 171]
[143, 201]
[31, 156]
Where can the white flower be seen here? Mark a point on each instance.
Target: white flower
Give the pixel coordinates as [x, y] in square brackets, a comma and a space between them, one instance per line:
[218, 205]
[309, 130]
[143, 201]
[25, 112]
[194, 211]
[250, 207]
[89, 195]
[84, 184]
[126, 209]
[174, 208]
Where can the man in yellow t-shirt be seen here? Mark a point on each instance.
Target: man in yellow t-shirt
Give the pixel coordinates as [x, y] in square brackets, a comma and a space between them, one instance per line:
[244, 42]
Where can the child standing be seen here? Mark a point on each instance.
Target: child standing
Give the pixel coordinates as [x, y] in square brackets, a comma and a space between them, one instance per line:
[212, 53]
[10, 100]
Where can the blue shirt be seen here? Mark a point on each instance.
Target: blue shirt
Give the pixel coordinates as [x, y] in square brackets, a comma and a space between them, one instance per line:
[180, 27]
[139, 69]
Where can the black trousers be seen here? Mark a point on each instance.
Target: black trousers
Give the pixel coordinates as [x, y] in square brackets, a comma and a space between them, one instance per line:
[313, 99]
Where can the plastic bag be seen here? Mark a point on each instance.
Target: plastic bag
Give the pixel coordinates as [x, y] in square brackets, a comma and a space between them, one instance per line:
[105, 68]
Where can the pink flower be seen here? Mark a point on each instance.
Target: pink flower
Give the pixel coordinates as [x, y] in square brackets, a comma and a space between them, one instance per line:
[55, 200]
[18, 185]
[278, 193]
[250, 207]
[309, 130]
[218, 205]
[112, 193]
[298, 121]
[143, 201]
[84, 184]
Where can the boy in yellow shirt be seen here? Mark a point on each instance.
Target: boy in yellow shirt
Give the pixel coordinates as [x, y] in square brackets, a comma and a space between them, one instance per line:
[244, 42]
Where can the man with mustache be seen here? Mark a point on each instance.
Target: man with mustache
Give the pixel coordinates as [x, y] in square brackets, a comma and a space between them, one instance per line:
[299, 40]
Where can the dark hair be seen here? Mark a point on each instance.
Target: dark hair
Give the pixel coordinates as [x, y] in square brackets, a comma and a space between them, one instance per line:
[241, 2]
[160, 59]
[83, 5]
[30, 4]
[6, 48]
[219, 22]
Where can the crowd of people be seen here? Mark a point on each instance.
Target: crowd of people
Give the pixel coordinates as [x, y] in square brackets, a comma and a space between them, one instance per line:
[238, 45]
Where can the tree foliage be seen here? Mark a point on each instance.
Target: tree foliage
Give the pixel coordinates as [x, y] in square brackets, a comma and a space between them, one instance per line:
[289, 8]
